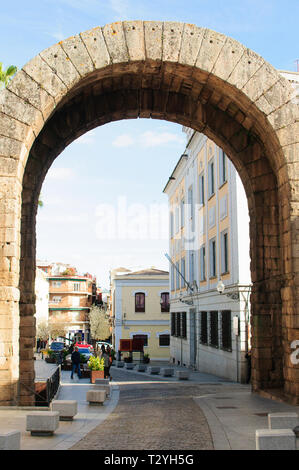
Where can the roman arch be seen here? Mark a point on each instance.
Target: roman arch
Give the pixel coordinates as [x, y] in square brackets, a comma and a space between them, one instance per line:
[173, 71]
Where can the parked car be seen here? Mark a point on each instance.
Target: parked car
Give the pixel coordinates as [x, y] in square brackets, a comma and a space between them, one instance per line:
[56, 346]
[86, 352]
[84, 345]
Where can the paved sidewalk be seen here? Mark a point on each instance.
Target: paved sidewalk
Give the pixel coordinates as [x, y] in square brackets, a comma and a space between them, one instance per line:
[231, 411]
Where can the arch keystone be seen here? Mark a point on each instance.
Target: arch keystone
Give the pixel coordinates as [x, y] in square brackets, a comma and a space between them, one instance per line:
[191, 43]
[134, 34]
[116, 42]
[77, 52]
[96, 46]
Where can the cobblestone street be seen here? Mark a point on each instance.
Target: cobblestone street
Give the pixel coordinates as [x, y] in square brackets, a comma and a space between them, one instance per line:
[151, 415]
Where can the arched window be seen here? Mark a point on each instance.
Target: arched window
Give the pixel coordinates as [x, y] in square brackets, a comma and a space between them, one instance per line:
[139, 302]
[164, 302]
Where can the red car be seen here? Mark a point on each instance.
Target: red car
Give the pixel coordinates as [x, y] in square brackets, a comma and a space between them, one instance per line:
[84, 345]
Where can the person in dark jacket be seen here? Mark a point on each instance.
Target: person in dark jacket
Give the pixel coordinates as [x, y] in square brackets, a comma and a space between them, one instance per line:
[76, 363]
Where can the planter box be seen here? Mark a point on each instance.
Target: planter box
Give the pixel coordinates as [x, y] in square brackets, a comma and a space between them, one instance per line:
[50, 360]
[96, 374]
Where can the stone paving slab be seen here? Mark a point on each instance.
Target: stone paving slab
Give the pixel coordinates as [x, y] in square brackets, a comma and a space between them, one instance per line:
[68, 432]
[227, 414]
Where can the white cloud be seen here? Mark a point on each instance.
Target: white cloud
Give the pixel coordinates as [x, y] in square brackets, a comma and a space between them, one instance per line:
[148, 139]
[153, 139]
[124, 140]
[61, 173]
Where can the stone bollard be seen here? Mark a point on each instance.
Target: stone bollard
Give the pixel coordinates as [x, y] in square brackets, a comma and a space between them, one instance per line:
[104, 387]
[42, 423]
[96, 397]
[182, 374]
[129, 365]
[10, 440]
[167, 371]
[67, 409]
[283, 420]
[141, 367]
[275, 439]
[153, 370]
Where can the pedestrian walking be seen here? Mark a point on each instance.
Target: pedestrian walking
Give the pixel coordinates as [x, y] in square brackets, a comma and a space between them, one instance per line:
[76, 363]
[248, 357]
[105, 356]
[109, 352]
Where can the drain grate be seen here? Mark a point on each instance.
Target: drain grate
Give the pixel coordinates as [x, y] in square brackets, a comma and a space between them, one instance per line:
[261, 414]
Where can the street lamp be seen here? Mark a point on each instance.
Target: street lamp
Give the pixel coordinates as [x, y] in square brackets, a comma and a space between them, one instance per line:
[220, 287]
[231, 295]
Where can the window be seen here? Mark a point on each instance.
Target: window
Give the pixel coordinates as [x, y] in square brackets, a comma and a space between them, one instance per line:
[224, 252]
[56, 283]
[214, 329]
[171, 225]
[165, 302]
[204, 327]
[211, 178]
[201, 187]
[184, 325]
[183, 271]
[140, 302]
[179, 324]
[143, 337]
[77, 286]
[177, 219]
[202, 255]
[191, 206]
[56, 300]
[177, 275]
[164, 340]
[182, 213]
[172, 277]
[173, 324]
[226, 330]
[222, 167]
[212, 256]
[191, 267]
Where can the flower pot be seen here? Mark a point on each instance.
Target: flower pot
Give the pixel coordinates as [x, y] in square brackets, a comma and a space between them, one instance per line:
[96, 374]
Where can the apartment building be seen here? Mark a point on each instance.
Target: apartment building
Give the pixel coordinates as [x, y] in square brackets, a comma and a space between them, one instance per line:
[42, 297]
[140, 309]
[70, 298]
[209, 270]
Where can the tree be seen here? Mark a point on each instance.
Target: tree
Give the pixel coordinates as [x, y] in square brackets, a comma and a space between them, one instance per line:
[57, 330]
[6, 75]
[99, 324]
[42, 331]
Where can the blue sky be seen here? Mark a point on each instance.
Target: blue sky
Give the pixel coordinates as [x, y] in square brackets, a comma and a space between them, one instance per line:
[127, 163]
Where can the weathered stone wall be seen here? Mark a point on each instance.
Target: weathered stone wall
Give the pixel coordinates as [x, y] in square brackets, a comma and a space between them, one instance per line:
[172, 71]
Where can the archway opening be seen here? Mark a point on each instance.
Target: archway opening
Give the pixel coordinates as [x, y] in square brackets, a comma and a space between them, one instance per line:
[206, 104]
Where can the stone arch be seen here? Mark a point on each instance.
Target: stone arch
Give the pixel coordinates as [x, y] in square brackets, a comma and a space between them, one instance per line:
[161, 70]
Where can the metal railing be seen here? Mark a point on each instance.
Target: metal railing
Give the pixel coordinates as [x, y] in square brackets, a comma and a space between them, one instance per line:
[45, 396]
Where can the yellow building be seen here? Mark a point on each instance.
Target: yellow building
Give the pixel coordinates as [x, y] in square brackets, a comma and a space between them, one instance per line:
[140, 309]
[210, 264]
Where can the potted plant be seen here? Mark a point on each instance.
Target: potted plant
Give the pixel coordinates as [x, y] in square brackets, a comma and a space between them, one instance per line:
[96, 366]
[146, 358]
